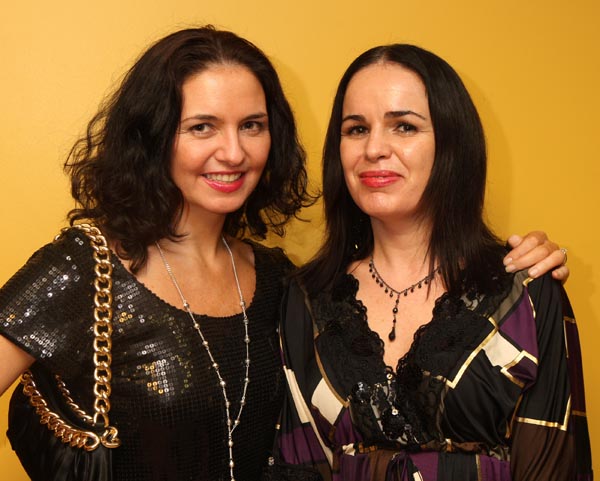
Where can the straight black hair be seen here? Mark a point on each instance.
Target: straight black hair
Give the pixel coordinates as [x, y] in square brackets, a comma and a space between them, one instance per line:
[461, 243]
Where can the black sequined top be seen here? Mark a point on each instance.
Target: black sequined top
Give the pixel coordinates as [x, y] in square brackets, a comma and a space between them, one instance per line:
[166, 401]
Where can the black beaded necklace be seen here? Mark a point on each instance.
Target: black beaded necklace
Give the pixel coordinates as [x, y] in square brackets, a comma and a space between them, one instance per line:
[391, 291]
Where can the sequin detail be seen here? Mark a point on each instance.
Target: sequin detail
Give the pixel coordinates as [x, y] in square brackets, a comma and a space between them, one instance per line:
[167, 408]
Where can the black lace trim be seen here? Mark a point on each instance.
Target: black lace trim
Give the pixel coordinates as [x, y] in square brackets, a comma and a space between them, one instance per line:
[345, 340]
[397, 406]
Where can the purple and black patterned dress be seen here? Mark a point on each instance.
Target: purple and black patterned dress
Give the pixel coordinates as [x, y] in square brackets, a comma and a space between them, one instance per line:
[491, 389]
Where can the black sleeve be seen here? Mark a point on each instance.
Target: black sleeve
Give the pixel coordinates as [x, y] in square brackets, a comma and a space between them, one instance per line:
[46, 308]
[550, 437]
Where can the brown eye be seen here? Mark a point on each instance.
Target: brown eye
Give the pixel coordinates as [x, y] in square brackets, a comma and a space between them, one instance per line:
[405, 128]
[253, 126]
[356, 130]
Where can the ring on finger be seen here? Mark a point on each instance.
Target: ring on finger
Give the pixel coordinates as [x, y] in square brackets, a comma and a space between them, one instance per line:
[564, 251]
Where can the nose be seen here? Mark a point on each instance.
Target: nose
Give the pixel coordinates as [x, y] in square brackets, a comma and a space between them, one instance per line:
[230, 149]
[378, 146]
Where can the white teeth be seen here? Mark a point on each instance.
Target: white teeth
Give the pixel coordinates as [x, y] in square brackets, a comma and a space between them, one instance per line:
[223, 177]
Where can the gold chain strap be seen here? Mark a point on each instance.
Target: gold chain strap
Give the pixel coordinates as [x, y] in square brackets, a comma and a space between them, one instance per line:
[62, 387]
[103, 312]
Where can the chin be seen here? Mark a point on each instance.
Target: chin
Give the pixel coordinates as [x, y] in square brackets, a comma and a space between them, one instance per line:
[376, 209]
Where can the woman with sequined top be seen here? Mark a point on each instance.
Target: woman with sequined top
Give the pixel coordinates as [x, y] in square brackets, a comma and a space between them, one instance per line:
[195, 149]
[410, 352]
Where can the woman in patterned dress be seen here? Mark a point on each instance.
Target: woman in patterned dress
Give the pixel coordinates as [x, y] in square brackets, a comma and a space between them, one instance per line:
[411, 351]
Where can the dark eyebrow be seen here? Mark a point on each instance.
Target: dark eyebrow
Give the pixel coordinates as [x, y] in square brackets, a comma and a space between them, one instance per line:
[393, 114]
[258, 115]
[213, 118]
[356, 117]
[402, 113]
[200, 117]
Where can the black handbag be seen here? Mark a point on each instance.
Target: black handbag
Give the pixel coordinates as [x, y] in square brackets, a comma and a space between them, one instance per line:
[53, 438]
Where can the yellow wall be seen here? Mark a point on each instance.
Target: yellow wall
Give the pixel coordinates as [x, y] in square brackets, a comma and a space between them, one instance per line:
[532, 68]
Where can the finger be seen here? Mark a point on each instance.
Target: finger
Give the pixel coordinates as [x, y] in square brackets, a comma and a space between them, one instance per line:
[552, 261]
[561, 274]
[535, 246]
[514, 240]
[543, 257]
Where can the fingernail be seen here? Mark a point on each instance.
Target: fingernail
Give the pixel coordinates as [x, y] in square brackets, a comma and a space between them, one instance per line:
[514, 239]
[507, 260]
[533, 272]
[510, 268]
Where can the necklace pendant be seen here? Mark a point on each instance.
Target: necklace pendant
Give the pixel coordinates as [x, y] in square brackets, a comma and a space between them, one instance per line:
[392, 334]
[393, 292]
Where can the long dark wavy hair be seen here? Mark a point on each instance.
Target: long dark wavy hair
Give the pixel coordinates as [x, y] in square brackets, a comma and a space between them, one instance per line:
[461, 243]
[120, 169]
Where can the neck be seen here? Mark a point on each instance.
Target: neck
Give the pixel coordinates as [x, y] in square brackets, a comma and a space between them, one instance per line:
[402, 248]
[200, 241]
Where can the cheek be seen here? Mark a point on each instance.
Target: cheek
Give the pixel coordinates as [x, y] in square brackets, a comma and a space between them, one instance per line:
[420, 156]
[352, 184]
[347, 160]
[351, 180]
[428, 161]
[260, 152]
[188, 154]
[176, 165]
[348, 177]
[346, 153]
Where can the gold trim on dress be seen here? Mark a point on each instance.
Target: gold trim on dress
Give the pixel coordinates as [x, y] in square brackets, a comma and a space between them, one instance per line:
[513, 418]
[549, 424]
[522, 355]
[504, 369]
[565, 337]
[527, 281]
[454, 382]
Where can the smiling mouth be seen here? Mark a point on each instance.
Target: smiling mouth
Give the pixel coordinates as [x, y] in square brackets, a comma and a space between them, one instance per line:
[223, 177]
[378, 174]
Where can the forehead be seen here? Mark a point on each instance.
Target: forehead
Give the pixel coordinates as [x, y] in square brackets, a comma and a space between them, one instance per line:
[388, 85]
[222, 81]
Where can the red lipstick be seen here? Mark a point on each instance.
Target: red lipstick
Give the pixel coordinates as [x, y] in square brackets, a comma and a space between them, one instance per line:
[378, 178]
[224, 182]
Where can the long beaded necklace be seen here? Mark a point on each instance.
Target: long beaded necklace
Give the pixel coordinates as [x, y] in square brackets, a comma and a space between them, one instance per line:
[231, 425]
[393, 292]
